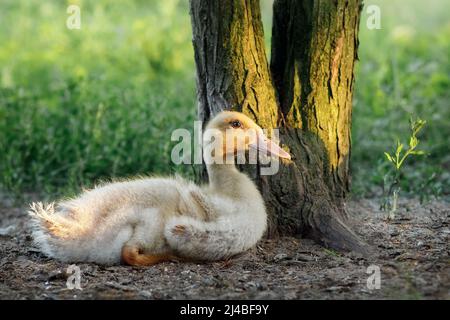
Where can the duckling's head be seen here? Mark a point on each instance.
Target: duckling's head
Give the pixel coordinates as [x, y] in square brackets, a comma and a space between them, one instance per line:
[234, 132]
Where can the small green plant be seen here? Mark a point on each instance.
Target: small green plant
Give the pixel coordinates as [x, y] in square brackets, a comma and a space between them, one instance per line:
[331, 252]
[391, 185]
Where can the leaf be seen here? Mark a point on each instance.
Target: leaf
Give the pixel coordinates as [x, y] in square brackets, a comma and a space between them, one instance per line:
[418, 152]
[413, 142]
[417, 125]
[399, 149]
[388, 156]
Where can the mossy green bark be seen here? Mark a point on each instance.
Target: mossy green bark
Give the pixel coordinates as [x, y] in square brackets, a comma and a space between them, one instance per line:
[314, 50]
[232, 68]
[306, 92]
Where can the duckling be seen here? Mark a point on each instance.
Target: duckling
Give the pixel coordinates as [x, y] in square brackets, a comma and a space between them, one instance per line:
[151, 220]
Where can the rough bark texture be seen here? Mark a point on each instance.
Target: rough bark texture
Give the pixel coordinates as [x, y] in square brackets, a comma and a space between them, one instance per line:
[232, 69]
[314, 49]
[307, 92]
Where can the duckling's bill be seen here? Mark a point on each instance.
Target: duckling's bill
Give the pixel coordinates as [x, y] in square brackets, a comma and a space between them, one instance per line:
[265, 145]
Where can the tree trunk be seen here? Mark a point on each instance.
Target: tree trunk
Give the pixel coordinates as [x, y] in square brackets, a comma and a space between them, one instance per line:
[307, 93]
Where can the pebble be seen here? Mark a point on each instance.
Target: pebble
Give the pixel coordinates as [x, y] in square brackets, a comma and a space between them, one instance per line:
[7, 231]
[280, 256]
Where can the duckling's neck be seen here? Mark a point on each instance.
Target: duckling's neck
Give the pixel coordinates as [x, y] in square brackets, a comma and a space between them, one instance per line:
[221, 175]
[227, 180]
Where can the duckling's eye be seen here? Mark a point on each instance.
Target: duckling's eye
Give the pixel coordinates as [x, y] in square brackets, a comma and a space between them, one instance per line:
[236, 124]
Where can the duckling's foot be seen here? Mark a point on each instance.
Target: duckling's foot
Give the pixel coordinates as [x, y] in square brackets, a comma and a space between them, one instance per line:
[133, 256]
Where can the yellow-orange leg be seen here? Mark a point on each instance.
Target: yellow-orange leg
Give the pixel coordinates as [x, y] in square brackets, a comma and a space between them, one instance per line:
[131, 255]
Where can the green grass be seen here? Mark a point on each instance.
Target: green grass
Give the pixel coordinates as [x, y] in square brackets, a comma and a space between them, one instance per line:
[403, 71]
[81, 105]
[77, 106]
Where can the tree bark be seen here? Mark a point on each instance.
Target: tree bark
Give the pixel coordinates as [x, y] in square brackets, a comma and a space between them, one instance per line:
[232, 69]
[306, 91]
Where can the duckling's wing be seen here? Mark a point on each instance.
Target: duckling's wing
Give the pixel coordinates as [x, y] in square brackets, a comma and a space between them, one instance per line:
[195, 203]
[204, 204]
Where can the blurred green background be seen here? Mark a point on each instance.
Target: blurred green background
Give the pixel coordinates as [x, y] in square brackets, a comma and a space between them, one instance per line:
[77, 106]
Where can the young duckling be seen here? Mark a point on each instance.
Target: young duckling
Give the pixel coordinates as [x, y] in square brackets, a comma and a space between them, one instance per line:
[150, 220]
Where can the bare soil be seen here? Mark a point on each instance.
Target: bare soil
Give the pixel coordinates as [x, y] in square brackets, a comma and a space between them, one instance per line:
[412, 253]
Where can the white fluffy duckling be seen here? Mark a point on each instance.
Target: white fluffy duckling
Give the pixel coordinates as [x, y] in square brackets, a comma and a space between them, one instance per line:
[150, 220]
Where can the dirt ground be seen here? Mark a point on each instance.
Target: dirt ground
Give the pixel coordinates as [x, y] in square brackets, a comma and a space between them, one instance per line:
[413, 256]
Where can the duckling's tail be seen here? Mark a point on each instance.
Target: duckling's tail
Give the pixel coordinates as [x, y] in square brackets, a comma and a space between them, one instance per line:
[52, 230]
[215, 240]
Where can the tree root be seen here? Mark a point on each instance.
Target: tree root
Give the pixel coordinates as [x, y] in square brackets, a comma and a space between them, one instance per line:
[332, 232]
